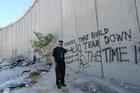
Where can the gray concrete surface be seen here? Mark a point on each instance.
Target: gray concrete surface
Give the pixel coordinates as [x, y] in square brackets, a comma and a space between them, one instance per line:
[105, 35]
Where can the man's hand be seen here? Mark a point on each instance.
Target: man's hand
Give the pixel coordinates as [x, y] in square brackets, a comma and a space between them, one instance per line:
[70, 49]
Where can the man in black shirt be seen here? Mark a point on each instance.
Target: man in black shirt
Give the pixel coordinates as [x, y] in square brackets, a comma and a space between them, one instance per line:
[59, 63]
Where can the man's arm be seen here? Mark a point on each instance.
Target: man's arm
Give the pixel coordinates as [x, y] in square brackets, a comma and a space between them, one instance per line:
[71, 49]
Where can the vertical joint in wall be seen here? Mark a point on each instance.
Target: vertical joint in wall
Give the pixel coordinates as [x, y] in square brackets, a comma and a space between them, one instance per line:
[61, 17]
[96, 12]
[137, 15]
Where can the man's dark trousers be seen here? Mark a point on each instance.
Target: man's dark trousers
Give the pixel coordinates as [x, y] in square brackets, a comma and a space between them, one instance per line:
[60, 73]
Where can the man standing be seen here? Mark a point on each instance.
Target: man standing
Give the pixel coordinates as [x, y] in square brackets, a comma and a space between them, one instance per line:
[59, 63]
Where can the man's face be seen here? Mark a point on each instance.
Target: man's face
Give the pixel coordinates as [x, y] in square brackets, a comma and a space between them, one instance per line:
[60, 44]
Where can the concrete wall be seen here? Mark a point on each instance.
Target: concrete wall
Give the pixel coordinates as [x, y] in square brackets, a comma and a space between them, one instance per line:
[105, 35]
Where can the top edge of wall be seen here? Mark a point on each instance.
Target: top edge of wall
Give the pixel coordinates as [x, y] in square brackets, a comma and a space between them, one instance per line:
[28, 10]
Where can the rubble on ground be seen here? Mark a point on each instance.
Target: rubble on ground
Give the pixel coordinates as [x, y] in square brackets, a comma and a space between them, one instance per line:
[19, 82]
[15, 61]
[20, 71]
[37, 77]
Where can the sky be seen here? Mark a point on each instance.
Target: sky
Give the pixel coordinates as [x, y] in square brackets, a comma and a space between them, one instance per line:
[11, 10]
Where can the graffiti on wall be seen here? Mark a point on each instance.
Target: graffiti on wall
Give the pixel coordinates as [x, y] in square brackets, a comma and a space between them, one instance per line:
[101, 46]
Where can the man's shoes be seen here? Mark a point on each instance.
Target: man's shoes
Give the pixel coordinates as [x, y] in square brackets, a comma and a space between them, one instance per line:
[58, 86]
[64, 85]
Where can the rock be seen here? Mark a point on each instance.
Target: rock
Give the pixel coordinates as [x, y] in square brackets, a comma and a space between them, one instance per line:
[34, 59]
[92, 90]
[26, 58]
[21, 82]
[1, 91]
[38, 71]
[24, 63]
[122, 82]
[34, 91]
[1, 60]
[126, 86]
[25, 71]
[6, 90]
[34, 74]
[16, 61]
[29, 91]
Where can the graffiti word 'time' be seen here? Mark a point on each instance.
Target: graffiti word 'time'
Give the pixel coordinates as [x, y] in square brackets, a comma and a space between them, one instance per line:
[119, 53]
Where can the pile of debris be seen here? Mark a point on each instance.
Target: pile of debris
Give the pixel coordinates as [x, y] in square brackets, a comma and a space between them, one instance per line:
[32, 67]
[15, 61]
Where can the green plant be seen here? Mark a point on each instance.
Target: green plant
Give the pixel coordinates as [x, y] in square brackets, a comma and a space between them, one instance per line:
[40, 45]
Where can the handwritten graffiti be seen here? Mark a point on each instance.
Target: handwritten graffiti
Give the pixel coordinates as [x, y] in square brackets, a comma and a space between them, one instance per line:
[118, 37]
[83, 62]
[84, 59]
[110, 54]
[137, 52]
[99, 33]
[71, 42]
[91, 44]
[83, 38]
[87, 48]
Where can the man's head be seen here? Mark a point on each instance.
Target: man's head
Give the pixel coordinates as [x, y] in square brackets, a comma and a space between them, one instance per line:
[60, 43]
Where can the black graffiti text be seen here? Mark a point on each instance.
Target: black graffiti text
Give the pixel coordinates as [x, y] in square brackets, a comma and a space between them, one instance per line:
[83, 38]
[119, 53]
[71, 42]
[117, 37]
[91, 44]
[99, 33]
